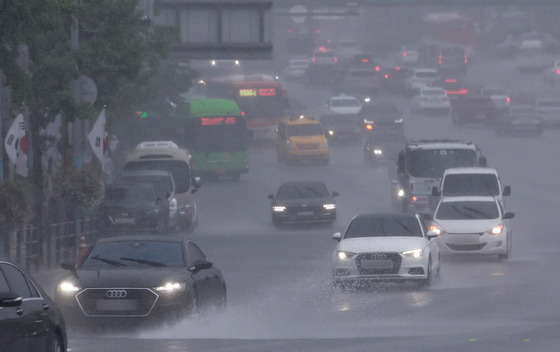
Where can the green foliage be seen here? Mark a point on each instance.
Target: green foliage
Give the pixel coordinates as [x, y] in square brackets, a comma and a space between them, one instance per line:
[12, 206]
[82, 187]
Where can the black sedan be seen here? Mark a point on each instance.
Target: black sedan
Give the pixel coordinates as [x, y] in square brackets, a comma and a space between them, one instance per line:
[29, 319]
[342, 127]
[156, 278]
[134, 206]
[303, 202]
[520, 119]
[383, 146]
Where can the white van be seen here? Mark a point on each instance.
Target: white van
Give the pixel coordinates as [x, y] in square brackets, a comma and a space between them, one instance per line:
[472, 181]
[167, 156]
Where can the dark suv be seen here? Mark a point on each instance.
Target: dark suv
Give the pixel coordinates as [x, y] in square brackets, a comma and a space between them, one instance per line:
[474, 108]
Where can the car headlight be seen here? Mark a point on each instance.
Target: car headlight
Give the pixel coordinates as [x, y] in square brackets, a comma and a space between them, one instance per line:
[329, 206]
[436, 229]
[171, 287]
[415, 253]
[377, 151]
[401, 193]
[345, 255]
[496, 230]
[278, 208]
[331, 132]
[67, 287]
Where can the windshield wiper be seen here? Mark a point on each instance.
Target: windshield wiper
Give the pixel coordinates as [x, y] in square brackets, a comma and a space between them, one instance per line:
[143, 261]
[476, 211]
[108, 261]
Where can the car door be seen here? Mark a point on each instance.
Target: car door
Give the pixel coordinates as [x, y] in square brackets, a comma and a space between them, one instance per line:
[11, 323]
[30, 321]
[208, 281]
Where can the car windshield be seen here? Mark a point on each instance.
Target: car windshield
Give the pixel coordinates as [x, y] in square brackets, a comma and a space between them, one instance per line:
[467, 210]
[548, 104]
[134, 254]
[427, 75]
[338, 120]
[470, 185]
[431, 163]
[302, 191]
[382, 137]
[179, 169]
[130, 193]
[160, 183]
[304, 130]
[386, 226]
[344, 102]
[433, 92]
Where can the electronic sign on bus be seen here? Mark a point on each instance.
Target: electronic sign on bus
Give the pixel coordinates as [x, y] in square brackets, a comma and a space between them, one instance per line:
[261, 92]
[214, 121]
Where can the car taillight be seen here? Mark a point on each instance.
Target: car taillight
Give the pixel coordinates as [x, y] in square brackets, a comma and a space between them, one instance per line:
[439, 59]
[313, 59]
[377, 68]
[336, 59]
[466, 59]
[403, 54]
[386, 76]
[558, 71]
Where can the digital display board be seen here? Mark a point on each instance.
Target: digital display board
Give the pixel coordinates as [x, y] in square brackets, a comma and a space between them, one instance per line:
[267, 92]
[247, 92]
[215, 121]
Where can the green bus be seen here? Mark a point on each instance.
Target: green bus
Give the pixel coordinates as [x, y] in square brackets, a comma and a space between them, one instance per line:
[217, 137]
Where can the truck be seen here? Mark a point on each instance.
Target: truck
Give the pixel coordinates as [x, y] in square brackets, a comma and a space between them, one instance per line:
[420, 167]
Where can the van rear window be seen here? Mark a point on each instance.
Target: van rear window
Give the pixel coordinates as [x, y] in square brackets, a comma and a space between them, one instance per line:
[179, 170]
[470, 185]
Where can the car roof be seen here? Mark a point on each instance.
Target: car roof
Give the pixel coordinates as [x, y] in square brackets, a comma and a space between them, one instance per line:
[470, 170]
[430, 70]
[303, 182]
[154, 238]
[468, 199]
[146, 173]
[343, 97]
[385, 215]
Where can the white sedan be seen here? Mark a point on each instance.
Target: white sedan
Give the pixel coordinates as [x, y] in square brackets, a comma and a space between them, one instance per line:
[385, 247]
[430, 99]
[473, 225]
[344, 104]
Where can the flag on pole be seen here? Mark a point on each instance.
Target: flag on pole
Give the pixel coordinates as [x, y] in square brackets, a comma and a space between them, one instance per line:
[99, 138]
[15, 145]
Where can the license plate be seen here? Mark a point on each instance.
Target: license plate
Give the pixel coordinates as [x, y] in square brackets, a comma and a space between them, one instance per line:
[116, 304]
[464, 239]
[305, 213]
[124, 221]
[377, 264]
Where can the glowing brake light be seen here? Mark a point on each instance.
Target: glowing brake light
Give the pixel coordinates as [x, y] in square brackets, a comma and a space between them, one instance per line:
[507, 99]
[439, 59]
[397, 68]
[365, 60]
[336, 59]
[377, 68]
[466, 59]
[289, 31]
[450, 80]
[313, 59]
[386, 76]
[403, 54]
[558, 71]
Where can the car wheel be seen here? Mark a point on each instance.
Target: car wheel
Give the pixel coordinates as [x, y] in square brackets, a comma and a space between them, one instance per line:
[55, 344]
[428, 280]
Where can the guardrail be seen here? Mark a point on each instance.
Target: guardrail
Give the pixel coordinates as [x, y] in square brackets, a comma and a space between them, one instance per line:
[60, 242]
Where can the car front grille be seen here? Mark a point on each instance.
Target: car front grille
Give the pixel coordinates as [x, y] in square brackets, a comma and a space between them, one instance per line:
[378, 263]
[307, 146]
[125, 302]
[466, 247]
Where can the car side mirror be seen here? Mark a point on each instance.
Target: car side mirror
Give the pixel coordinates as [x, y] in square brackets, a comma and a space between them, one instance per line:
[435, 192]
[507, 191]
[509, 215]
[335, 194]
[200, 264]
[431, 234]
[196, 184]
[68, 266]
[9, 299]
[337, 236]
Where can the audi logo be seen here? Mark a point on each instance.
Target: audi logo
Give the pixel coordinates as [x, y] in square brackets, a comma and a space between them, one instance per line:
[116, 293]
[379, 256]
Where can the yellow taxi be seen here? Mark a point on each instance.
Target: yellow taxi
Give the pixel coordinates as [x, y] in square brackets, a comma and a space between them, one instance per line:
[301, 138]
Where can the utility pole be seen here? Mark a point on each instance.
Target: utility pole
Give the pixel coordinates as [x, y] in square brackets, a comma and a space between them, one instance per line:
[77, 125]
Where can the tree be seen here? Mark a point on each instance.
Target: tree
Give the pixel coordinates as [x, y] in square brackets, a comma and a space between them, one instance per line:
[116, 50]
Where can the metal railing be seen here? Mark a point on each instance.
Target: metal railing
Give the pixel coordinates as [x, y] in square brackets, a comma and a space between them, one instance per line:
[59, 243]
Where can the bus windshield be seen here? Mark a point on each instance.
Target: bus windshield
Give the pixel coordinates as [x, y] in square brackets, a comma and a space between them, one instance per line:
[431, 163]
